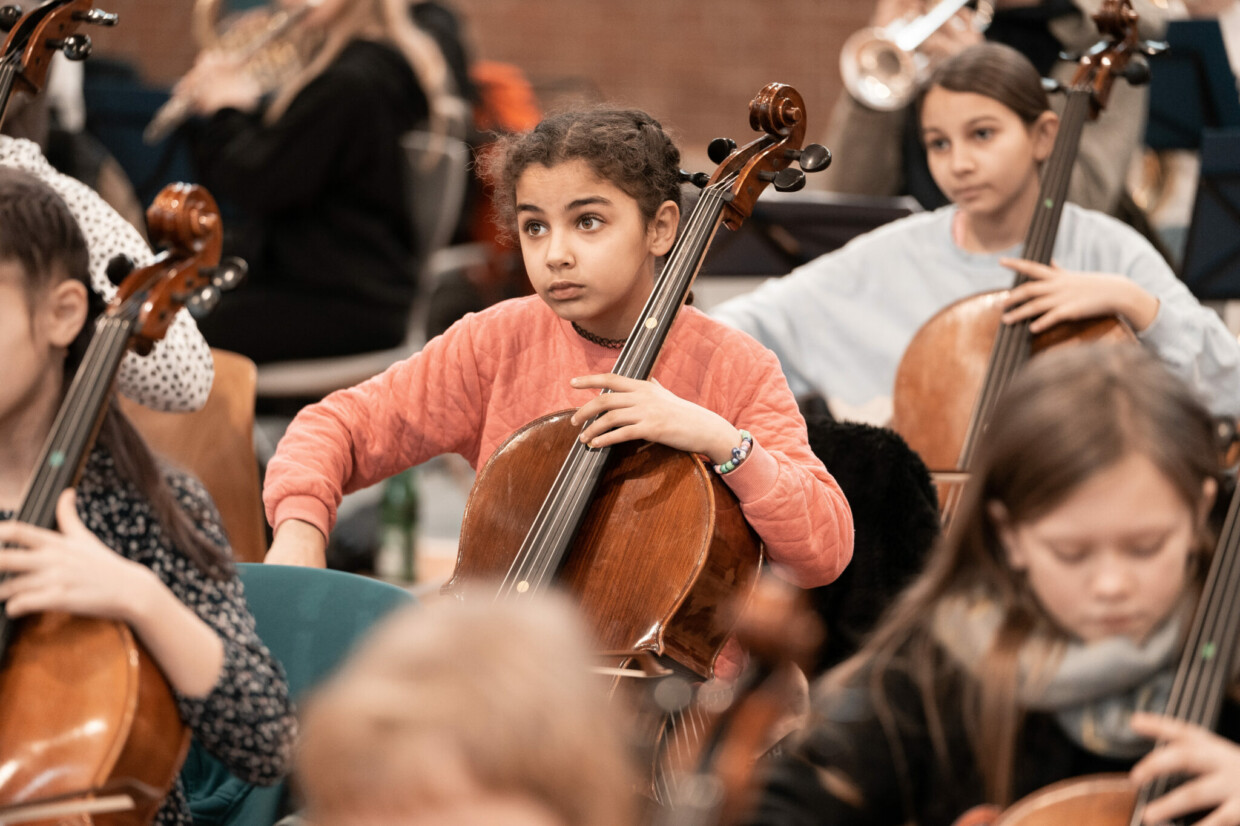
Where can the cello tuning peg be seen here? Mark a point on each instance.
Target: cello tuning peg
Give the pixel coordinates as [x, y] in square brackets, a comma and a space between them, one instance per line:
[75, 46]
[118, 268]
[813, 158]
[698, 179]
[1225, 432]
[719, 149]
[96, 17]
[1051, 86]
[229, 273]
[789, 180]
[9, 15]
[1153, 47]
[202, 302]
[1137, 72]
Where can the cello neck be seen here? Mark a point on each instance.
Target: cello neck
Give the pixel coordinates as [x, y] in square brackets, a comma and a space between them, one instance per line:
[73, 431]
[76, 423]
[1014, 343]
[546, 545]
[7, 76]
[1056, 175]
[671, 290]
[1205, 667]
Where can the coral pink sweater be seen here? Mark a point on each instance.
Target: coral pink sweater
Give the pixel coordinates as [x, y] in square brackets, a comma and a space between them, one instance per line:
[494, 371]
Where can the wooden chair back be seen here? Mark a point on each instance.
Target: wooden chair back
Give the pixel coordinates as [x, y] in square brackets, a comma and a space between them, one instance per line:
[216, 444]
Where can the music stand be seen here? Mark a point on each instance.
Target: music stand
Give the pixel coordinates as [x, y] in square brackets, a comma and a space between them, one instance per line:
[1192, 87]
[787, 230]
[1212, 258]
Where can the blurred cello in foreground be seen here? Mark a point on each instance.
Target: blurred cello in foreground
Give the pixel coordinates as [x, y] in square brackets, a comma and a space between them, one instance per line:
[646, 538]
[780, 631]
[89, 730]
[961, 360]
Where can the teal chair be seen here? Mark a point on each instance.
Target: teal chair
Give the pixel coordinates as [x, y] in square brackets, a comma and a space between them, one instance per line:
[309, 618]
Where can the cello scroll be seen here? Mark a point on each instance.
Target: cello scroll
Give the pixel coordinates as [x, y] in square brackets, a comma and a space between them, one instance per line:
[39, 34]
[779, 111]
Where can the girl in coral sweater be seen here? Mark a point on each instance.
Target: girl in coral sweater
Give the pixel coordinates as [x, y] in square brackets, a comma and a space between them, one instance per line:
[595, 199]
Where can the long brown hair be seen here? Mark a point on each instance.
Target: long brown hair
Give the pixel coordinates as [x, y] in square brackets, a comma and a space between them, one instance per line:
[1069, 415]
[996, 71]
[39, 233]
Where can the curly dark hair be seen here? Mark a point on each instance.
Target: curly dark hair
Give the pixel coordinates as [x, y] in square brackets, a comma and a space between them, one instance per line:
[624, 146]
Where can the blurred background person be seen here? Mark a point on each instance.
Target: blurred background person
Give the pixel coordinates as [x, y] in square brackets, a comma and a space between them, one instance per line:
[474, 712]
[319, 175]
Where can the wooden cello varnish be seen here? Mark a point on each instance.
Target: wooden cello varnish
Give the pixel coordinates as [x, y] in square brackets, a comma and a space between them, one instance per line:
[961, 360]
[648, 539]
[85, 713]
[661, 546]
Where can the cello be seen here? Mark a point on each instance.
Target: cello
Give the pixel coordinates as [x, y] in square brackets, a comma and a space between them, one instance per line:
[35, 36]
[86, 718]
[646, 538]
[960, 361]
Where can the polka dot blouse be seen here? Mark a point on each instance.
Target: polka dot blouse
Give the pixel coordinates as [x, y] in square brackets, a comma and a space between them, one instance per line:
[177, 373]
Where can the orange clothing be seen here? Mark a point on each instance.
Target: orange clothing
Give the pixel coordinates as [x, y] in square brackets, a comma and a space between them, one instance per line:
[494, 371]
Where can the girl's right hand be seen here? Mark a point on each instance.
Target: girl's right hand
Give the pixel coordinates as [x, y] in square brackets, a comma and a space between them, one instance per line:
[1211, 762]
[298, 543]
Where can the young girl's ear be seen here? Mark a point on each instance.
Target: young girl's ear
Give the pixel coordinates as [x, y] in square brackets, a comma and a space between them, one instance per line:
[64, 312]
[1043, 132]
[662, 230]
[1007, 535]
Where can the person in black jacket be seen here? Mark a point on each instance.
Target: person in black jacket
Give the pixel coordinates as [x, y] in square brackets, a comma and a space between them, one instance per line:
[318, 172]
[1041, 640]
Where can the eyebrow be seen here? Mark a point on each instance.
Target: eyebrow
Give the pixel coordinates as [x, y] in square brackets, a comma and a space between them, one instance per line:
[577, 204]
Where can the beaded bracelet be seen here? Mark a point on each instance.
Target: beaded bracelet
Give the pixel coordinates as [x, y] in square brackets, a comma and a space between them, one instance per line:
[739, 454]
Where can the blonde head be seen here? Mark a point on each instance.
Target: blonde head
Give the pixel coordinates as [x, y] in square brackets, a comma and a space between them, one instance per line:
[385, 21]
[456, 709]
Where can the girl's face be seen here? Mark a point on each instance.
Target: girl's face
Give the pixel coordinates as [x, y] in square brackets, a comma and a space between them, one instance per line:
[32, 343]
[981, 154]
[588, 250]
[1113, 557]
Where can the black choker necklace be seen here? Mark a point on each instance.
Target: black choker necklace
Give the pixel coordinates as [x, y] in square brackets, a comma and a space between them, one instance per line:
[609, 343]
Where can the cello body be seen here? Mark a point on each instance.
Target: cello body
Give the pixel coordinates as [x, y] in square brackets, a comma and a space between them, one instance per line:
[663, 542]
[942, 371]
[1092, 800]
[96, 714]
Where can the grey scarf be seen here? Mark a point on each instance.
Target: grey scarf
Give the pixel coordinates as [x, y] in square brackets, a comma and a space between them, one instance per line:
[1092, 689]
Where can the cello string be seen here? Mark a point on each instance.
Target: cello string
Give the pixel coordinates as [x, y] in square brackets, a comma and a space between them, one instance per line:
[575, 493]
[49, 481]
[1012, 343]
[1202, 678]
[545, 542]
[644, 347]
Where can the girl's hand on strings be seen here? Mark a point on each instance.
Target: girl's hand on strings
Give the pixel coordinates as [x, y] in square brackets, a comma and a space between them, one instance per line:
[68, 570]
[648, 410]
[1054, 294]
[1210, 762]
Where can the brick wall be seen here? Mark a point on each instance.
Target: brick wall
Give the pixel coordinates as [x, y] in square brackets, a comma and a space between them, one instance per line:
[693, 64]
